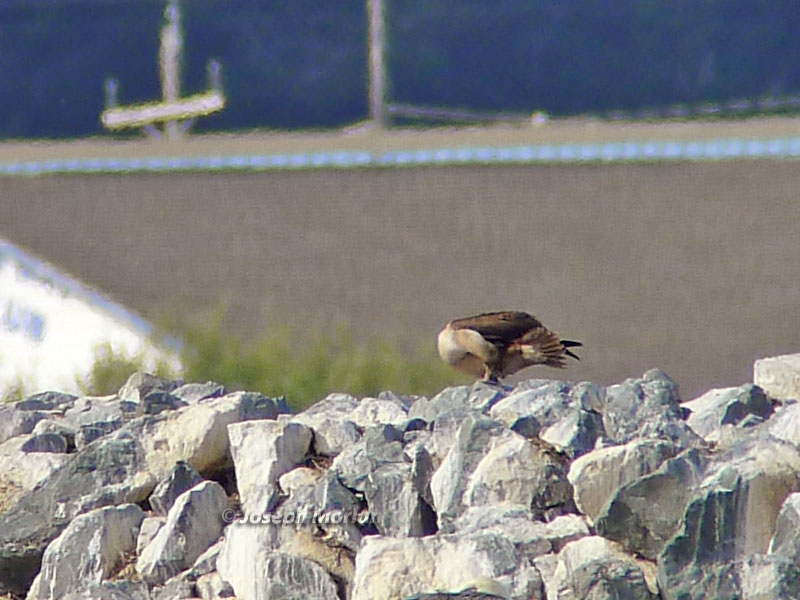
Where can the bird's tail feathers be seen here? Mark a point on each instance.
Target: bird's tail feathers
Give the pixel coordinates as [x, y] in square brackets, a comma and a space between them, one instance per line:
[570, 344]
[545, 348]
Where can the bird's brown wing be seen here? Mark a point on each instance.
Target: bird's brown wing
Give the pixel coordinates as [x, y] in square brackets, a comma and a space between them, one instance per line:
[500, 328]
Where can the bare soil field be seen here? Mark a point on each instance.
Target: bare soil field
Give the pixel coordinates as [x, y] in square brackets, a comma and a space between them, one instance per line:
[690, 267]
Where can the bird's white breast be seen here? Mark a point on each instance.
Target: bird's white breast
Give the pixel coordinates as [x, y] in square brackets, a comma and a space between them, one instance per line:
[449, 348]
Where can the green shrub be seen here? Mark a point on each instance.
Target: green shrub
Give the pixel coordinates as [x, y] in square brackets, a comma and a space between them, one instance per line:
[14, 392]
[306, 365]
[111, 370]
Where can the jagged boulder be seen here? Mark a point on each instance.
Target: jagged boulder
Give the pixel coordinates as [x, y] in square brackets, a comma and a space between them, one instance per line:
[264, 450]
[730, 518]
[592, 568]
[121, 467]
[746, 405]
[489, 463]
[473, 493]
[444, 563]
[779, 376]
[87, 551]
[596, 476]
[21, 417]
[330, 421]
[194, 522]
[563, 414]
[646, 512]
[182, 477]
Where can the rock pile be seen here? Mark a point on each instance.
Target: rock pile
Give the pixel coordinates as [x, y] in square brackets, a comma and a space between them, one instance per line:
[547, 490]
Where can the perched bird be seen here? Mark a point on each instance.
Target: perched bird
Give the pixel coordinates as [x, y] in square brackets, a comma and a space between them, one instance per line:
[492, 345]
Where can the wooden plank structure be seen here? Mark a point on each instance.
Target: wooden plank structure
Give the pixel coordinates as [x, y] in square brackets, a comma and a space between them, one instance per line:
[173, 113]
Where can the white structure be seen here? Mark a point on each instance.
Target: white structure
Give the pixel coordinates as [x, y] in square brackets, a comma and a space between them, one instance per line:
[51, 327]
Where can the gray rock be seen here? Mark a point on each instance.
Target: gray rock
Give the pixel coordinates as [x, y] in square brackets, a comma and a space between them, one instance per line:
[207, 562]
[112, 590]
[139, 385]
[21, 472]
[374, 411]
[786, 539]
[769, 578]
[483, 560]
[157, 402]
[212, 587]
[20, 418]
[731, 517]
[182, 477]
[563, 414]
[330, 421]
[531, 538]
[404, 401]
[598, 475]
[54, 443]
[547, 564]
[593, 568]
[395, 502]
[444, 430]
[479, 397]
[293, 578]
[177, 588]
[247, 549]
[548, 401]
[87, 550]
[198, 434]
[329, 510]
[110, 472]
[490, 464]
[645, 513]
[647, 407]
[779, 376]
[263, 451]
[95, 417]
[50, 401]
[14, 422]
[147, 531]
[380, 445]
[61, 427]
[122, 467]
[575, 434]
[527, 426]
[785, 423]
[728, 406]
[471, 593]
[192, 393]
[193, 524]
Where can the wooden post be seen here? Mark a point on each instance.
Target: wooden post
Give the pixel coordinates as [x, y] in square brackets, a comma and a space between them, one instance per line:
[377, 67]
[169, 61]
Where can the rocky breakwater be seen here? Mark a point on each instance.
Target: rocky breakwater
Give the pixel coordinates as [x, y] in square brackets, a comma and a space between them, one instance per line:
[547, 490]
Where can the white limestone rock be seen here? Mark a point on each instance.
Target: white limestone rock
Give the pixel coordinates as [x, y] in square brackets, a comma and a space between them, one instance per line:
[596, 476]
[779, 376]
[87, 551]
[263, 451]
[194, 523]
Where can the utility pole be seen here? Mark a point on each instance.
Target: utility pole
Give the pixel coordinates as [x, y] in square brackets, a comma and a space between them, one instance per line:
[169, 63]
[377, 64]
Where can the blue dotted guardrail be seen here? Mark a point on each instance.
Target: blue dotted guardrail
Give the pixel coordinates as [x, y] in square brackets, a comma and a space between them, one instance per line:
[726, 148]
